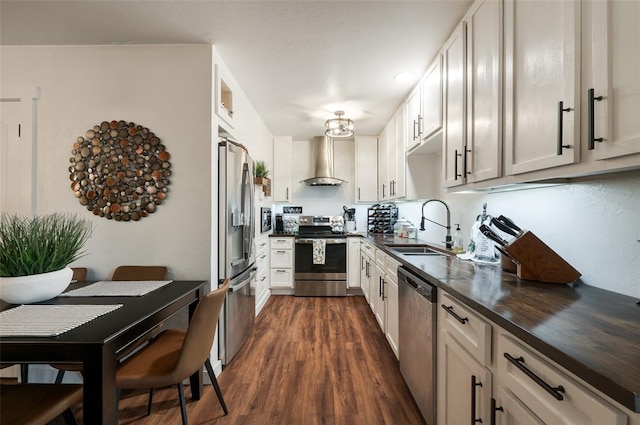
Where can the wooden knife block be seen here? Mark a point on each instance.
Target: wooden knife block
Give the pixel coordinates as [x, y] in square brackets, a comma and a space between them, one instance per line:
[536, 261]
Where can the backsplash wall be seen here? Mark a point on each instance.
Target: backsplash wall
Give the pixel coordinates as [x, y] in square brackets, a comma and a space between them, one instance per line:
[595, 226]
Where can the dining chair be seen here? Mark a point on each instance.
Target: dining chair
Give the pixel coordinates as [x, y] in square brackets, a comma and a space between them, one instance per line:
[122, 273]
[140, 273]
[79, 274]
[175, 354]
[38, 404]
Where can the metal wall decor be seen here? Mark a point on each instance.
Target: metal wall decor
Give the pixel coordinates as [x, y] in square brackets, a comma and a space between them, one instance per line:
[120, 170]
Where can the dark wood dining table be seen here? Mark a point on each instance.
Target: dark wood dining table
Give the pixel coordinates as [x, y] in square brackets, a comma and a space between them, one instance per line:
[99, 343]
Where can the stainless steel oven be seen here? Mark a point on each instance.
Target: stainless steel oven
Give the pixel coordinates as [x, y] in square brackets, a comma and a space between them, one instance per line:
[320, 266]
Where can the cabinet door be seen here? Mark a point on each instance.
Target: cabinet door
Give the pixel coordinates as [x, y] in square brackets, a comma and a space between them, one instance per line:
[353, 260]
[542, 76]
[513, 411]
[383, 165]
[454, 108]
[377, 294]
[399, 180]
[364, 275]
[464, 386]
[484, 92]
[366, 184]
[282, 156]
[392, 331]
[615, 64]
[431, 101]
[413, 105]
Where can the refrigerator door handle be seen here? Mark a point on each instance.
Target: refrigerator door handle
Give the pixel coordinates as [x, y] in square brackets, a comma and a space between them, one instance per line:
[245, 282]
[246, 233]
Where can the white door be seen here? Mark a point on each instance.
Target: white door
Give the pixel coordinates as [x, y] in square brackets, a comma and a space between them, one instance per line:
[542, 83]
[17, 156]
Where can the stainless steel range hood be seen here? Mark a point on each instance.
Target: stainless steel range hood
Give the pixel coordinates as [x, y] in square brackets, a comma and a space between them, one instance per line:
[323, 160]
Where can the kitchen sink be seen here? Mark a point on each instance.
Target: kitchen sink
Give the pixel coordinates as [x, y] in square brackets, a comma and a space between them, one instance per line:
[414, 250]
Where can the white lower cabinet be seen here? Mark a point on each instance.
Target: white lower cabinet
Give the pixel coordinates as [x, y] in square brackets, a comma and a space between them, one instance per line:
[353, 262]
[487, 375]
[545, 392]
[281, 270]
[366, 269]
[466, 388]
[392, 329]
[262, 272]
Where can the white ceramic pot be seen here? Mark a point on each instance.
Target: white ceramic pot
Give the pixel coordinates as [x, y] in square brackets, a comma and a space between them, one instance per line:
[34, 288]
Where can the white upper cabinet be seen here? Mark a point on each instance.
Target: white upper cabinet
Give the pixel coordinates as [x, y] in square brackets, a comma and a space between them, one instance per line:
[413, 106]
[613, 127]
[454, 108]
[366, 182]
[399, 182]
[282, 167]
[386, 161]
[424, 113]
[483, 153]
[542, 82]
[431, 88]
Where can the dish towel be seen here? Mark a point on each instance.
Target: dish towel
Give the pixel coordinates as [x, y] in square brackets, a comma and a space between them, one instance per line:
[319, 248]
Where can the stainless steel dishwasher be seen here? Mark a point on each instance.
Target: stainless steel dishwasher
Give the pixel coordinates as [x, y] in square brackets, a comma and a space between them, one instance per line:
[417, 340]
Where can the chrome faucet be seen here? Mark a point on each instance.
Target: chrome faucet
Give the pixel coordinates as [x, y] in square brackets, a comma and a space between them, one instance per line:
[448, 242]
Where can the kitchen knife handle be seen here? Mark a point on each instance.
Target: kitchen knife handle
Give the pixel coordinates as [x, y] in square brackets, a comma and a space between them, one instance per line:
[486, 230]
[507, 221]
[500, 225]
[592, 105]
[561, 111]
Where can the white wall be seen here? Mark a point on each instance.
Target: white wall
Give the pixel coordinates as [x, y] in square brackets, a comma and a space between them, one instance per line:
[595, 226]
[164, 88]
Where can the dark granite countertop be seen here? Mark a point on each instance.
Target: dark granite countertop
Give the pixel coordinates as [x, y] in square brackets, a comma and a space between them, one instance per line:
[593, 333]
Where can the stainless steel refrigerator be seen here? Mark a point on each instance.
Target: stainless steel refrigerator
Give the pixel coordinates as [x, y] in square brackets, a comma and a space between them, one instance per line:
[236, 257]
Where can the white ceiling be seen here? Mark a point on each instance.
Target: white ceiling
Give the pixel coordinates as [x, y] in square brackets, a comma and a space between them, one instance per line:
[297, 61]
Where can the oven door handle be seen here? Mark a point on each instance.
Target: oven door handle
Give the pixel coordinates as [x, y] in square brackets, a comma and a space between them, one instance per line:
[327, 241]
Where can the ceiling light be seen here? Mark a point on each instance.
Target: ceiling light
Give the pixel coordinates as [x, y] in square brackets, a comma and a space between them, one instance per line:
[339, 127]
[404, 77]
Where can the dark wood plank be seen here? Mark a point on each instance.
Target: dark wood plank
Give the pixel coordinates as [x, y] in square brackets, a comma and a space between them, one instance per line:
[308, 361]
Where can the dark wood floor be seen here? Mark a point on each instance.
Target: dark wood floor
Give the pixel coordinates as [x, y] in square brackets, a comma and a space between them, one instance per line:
[308, 361]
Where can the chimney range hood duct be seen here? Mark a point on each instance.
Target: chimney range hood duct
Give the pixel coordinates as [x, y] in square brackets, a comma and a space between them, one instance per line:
[323, 157]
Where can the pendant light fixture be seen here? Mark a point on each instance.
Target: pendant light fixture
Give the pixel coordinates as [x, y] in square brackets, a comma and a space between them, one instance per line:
[339, 127]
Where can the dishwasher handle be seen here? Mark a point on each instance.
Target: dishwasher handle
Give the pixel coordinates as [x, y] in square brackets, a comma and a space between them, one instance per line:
[416, 283]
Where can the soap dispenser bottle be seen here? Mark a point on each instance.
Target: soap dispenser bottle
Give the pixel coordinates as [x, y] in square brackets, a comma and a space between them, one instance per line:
[458, 243]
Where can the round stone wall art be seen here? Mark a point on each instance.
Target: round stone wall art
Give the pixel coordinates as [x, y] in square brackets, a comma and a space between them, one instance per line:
[120, 170]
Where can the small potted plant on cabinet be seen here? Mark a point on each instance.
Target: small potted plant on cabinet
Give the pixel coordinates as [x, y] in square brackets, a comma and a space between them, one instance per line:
[35, 253]
[261, 177]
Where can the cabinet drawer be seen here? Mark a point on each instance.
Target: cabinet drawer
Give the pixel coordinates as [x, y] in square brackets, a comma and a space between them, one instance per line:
[281, 243]
[281, 258]
[262, 261]
[550, 394]
[472, 332]
[262, 245]
[282, 278]
[369, 249]
[381, 258]
[391, 268]
[262, 281]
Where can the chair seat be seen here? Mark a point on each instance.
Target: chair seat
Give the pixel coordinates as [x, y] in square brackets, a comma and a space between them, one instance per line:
[36, 404]
[154, 365]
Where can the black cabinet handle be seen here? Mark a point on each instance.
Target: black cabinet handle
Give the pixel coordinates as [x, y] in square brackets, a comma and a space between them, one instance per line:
[380, 286]
[415, 123]
[455, 165]
[592, 105]
[494, 409]
[561, 111]
[383, 186]
[519, 363]
[449, 309]
[474, 384]
[465, 167]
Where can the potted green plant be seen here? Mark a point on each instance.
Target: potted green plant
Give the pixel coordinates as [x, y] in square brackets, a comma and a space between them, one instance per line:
[261, 176]
[35, 253]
